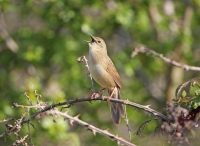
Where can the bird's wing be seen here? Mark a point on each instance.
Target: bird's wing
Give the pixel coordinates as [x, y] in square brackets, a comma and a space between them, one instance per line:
[110, 68]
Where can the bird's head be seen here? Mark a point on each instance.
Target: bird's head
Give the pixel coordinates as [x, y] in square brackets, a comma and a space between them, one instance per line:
[97, 43]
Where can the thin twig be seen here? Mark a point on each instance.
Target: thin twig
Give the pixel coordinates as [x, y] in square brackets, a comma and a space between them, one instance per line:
[141, 127]
[29, 135]
[127, 123]
[94, 129]
[17, 125]
[6, 120]
[83, 59]
[28, 106]
[170, 61]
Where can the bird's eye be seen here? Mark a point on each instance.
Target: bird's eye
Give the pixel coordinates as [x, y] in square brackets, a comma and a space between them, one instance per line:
[99, 41]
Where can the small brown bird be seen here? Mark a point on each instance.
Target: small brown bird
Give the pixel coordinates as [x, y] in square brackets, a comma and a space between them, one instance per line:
[105, 74]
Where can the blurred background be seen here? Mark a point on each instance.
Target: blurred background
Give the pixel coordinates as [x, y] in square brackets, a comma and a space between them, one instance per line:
[40, 41]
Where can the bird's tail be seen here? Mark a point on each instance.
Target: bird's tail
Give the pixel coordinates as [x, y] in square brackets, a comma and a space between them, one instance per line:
[116, 109]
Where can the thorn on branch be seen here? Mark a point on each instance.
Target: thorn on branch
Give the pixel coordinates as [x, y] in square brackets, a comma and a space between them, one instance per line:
[147, 106]
[106, 130]
[94, 132]
[71, 121]
[77, 117]
[118, 142]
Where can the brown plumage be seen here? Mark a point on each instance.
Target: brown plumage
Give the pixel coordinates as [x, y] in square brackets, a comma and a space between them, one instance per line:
[105, 74]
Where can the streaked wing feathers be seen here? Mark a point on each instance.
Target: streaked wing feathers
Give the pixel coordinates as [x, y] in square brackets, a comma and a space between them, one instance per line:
[113, 72]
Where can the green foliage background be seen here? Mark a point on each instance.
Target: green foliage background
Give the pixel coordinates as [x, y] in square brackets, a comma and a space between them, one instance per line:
[50, 36]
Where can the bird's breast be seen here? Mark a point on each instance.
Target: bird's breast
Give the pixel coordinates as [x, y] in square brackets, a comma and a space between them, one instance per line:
[97, 67]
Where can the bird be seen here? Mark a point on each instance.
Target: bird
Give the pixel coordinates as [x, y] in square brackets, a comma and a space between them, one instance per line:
[103, 71]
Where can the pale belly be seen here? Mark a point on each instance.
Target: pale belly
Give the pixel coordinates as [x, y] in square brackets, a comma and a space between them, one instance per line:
[101, 76]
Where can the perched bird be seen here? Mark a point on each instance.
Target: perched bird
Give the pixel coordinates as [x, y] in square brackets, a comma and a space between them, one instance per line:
[105, 74]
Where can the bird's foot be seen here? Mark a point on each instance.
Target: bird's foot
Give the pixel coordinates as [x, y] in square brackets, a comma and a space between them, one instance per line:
[96, 94]
[108, 99]
[111, 94]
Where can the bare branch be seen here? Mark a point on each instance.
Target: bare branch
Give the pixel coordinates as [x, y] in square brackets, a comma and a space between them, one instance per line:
[49, 110]
[28, 106]
[102, 98]
[177, 64]
[6, 120]
[94, 129]
[45, 109]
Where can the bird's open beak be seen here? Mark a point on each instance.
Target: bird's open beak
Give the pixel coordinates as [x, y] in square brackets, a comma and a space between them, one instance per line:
[93, 39]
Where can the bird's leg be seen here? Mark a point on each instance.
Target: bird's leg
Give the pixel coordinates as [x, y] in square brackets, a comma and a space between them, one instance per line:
[111, 94]
[100, 92]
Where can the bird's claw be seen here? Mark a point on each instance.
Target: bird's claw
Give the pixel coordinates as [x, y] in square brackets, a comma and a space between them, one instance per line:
[108, 100]
[94, 95]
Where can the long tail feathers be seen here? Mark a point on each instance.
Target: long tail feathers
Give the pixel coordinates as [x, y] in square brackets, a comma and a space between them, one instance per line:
[116, 109]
